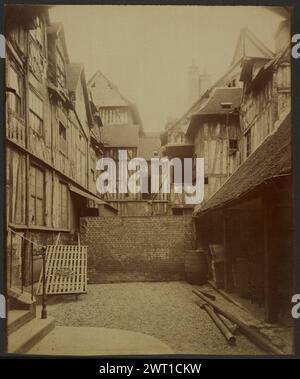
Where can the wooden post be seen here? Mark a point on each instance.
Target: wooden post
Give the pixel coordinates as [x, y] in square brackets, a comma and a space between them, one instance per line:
[44, 296]
[270, 255]
[227, 255]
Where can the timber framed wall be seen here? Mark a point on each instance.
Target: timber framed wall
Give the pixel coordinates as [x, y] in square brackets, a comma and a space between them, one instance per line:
[48, 147]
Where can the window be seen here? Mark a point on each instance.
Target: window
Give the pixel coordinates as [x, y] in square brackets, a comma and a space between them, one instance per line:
[63, 148]
[226, 105]
[36, 112]
[206, 180]
[177, 211]
[15, 99]
[61, 73]
[64, 206]
[37, 196]
[248, 143]
[233, 144]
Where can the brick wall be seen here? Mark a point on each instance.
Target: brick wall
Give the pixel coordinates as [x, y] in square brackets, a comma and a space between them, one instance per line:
[136, 248]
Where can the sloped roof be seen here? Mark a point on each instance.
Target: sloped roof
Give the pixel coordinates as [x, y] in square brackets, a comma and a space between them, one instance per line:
[120, 135]
[57, 28]
[73, 73]
[249, 45]
[213, 105]
[105, 93]
[252, 69]
[149, 144]
[231, 95]
[272, 158]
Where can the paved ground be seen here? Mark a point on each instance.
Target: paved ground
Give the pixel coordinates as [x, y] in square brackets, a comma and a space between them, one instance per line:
[167, 311]
[68, 340]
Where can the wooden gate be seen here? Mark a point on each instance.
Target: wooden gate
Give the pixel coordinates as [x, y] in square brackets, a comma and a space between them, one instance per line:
[66, 270]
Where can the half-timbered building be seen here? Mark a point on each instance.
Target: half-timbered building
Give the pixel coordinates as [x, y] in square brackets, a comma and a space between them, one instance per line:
[250, 216]
[52, 141]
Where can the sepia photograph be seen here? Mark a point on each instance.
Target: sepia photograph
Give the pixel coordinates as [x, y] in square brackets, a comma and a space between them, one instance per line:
[148, 181]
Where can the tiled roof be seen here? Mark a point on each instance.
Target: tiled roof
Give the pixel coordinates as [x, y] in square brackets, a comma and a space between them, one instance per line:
[213, 106]
[222, 95]
[272, 158]
[247, 44]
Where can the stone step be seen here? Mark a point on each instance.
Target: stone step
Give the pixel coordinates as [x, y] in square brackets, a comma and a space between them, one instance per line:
[21, 300]
[31, 333]
[16, 318]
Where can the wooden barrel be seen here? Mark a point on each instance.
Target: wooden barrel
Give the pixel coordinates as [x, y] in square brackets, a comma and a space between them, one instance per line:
[196, 268]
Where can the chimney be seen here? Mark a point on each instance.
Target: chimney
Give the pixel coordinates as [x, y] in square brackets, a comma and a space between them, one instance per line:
[204, 83]
[193, 83]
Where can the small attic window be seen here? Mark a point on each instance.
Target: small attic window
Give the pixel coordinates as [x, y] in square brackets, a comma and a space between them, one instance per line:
[226, 105]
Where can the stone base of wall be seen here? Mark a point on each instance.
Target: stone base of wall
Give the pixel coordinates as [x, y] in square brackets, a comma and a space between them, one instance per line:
[124, 249]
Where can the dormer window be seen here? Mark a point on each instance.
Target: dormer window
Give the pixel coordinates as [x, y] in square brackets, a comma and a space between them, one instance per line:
[226, 105]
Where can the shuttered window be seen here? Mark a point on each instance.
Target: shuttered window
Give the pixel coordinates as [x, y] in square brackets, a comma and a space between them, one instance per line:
[16, 96]
[36, 112]
[37, 196]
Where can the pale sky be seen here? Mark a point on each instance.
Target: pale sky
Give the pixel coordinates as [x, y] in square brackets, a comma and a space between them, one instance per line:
[146, 50]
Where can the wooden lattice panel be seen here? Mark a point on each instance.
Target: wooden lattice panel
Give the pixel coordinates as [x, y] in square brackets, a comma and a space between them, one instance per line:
[66, 270]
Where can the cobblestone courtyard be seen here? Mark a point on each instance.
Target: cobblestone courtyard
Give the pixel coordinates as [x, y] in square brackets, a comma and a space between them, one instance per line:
[167, 311]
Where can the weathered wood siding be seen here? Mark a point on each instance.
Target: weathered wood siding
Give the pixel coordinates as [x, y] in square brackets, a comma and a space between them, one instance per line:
[264, 104]
[212, 144]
